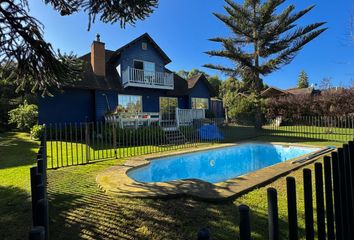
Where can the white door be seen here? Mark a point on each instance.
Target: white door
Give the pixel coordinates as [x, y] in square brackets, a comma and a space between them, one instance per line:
[149, 72]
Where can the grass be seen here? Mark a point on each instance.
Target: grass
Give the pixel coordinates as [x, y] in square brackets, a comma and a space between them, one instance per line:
[66, 153]
[61, 153]
[79, 210]
[18, 153]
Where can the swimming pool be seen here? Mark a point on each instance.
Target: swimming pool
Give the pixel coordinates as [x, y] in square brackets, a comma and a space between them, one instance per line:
[217, 165]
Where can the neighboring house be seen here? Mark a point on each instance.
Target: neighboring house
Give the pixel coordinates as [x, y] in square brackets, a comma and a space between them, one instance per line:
[273, 92]
[133, 79]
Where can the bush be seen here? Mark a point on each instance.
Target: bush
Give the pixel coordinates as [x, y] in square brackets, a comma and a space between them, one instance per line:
[140, 136]
[37, 131]
[244, 110]
[24, 116]
[329, 103]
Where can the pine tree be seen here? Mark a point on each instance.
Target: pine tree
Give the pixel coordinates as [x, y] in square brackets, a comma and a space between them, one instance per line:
[36, 63]
[262, 39]
[303, 81]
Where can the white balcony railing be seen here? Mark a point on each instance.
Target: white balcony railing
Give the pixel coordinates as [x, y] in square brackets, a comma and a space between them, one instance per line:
[133, 77]
[185, 117]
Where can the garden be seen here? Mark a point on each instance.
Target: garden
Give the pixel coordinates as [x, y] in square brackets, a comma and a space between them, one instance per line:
[265, 36]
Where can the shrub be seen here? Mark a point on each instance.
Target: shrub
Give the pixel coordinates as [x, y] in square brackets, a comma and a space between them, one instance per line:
[24, 116]
[37, 131]
[245, 110]
[329, 103]
[140, 136]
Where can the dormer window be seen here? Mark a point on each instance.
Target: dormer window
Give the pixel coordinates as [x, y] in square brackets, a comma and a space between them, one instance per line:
[144, 46]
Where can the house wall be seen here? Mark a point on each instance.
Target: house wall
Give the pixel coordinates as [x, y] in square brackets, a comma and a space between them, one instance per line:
[101, 106]
[217, 108]
[200, 91]
[135, 52]
[150, 98]
[74, 105]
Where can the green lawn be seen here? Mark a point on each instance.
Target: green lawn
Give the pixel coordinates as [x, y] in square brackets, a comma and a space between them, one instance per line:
[311, 132]
[62, 154]
[17, 154]
[79, 210]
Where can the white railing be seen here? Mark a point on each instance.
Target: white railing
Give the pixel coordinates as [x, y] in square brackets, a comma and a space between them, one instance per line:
[148, 79]
[133, 119]
[185, 117]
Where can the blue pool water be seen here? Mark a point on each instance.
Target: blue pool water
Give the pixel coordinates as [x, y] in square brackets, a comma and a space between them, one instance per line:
[217, 165]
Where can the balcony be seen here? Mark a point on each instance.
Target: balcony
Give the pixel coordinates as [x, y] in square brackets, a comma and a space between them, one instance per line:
[133, 77]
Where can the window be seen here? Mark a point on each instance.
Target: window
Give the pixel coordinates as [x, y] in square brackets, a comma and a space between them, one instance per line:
[200, 103]
[168, 107]
[144, 46]
[139, 64]
[129, 103]
[144, 65]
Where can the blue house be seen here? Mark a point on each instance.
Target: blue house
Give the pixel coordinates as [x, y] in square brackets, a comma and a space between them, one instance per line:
[130, 80]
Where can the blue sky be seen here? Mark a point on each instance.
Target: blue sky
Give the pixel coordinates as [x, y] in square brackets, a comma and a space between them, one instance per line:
[182, 29]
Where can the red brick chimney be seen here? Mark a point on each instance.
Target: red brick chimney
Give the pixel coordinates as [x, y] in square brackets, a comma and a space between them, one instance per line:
[98, 61]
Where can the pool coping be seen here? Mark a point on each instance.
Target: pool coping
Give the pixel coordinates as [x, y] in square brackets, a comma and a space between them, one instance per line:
[115, 180]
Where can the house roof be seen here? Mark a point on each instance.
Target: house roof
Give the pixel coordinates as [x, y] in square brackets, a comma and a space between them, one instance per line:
[300, 91]
[110, 80]
[147, 38]
[273, 92]
[192, 82]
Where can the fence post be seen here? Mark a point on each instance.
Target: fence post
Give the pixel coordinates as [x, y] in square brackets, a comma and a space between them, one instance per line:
[245, 226]
[114, 139]
[343, 193]
[351, 160]
[349, 187]
[321, 229]
[292, 208]
[329, 197]
[42, 215]
[87, 141]
[36, 180]
[337, 196]
[273, 226]
[37, 233]
[308, 204]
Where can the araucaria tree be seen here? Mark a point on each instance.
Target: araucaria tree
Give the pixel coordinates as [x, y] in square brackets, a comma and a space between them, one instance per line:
[263, 39]
[34, 62]
[303, 81]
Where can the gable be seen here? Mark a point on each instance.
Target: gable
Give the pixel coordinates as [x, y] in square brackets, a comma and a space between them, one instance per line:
[143, 38]
[135, 51]
[200, 90]
[199, 84]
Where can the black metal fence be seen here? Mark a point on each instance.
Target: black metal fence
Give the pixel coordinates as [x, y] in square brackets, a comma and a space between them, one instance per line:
[334, 197]
[325, 128]
[333, 194]
[71, 144]
[40, 214]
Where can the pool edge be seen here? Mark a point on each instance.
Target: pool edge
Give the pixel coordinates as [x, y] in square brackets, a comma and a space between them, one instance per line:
[115, 180]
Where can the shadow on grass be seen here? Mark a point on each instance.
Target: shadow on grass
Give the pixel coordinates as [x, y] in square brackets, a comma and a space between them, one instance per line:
[15, 213]
[79, 210]
[16, 150]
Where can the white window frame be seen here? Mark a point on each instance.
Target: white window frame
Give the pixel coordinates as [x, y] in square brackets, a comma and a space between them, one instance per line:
[140, 96]
[195, 98]
[143, 61]
[170, 114]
